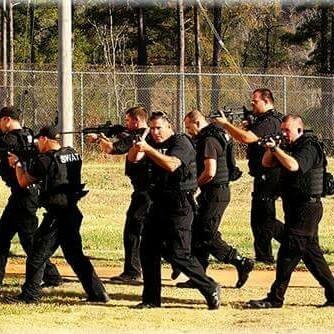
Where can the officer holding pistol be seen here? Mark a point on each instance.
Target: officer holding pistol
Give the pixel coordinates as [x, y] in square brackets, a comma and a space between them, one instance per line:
[135, 126]
[213, 179]
[265, 185]
[19, 215]
[57, 170]
[167, 231]
[302, 167]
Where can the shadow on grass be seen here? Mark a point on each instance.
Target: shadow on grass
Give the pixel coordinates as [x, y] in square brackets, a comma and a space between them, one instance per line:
[245, 306]
[59, 297]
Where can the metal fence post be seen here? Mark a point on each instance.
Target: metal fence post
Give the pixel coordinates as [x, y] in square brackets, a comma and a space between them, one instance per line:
[284, 95]
[181, 111]
[81, 113]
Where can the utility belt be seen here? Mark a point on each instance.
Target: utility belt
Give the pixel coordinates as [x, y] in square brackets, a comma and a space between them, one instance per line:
[32, 190]
[61, 199]
[264, 196]
[159, 193]
[302, 199]
[214, 186]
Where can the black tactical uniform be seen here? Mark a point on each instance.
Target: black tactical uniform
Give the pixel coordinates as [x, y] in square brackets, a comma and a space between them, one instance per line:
[138, 208]
[212, 143]
[19, 215]
[303, 211]
[59, 172]
[167, 232]
[265, 188]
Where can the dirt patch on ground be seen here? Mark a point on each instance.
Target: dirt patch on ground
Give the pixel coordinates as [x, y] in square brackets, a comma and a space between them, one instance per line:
[227, 277]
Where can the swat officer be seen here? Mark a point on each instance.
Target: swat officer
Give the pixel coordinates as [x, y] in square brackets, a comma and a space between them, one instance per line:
[213, 179]
[135, 125]
[265, 185]
[167, 231]
[302, 169]
[58, 171]
[19, 215]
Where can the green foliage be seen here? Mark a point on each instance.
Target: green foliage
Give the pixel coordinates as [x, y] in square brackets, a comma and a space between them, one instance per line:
[105, 33]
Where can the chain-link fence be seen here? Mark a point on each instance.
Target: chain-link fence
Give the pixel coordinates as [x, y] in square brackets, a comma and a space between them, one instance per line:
[102, 96]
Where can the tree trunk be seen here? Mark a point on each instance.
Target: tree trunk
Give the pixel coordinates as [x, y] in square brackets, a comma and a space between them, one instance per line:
[331, 56]
[143, 85]
[324, 40]
[215, 82]
[4, 52]
[326, 89]
[267, 51]
[198, 58]
[180, 89]
[11, 55]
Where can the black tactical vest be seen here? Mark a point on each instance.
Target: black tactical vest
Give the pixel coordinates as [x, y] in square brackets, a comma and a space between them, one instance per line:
[222, 173]
[184, 178]
[255, 152]
[62, 181]
[309, 184]
[19, 142]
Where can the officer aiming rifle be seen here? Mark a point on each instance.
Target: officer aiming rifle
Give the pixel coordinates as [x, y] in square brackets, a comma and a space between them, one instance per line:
[235, 115]
[265, 185]
[106, 130]
[135, 130]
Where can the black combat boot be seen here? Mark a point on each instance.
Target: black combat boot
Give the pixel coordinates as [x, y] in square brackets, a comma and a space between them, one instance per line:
[213, 299]
[244, 266]
[263, 303]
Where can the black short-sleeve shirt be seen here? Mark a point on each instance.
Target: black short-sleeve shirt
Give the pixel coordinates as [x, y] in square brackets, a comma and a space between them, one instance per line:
[178, 146]
[210, 148]
[268, 123]
[307, 157]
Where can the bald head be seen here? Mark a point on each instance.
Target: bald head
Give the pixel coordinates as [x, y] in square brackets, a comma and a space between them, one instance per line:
[292, 127]
[194, 122]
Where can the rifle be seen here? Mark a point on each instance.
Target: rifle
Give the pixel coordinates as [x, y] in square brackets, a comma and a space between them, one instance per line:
[234, 114]
[106, 129]
[279, 140]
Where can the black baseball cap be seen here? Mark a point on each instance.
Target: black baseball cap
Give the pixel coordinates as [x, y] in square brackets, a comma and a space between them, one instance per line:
[11, 112]
[48, 131]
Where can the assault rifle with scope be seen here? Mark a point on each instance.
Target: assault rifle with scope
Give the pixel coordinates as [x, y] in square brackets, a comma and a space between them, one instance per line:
[235, 114]
[107, 129]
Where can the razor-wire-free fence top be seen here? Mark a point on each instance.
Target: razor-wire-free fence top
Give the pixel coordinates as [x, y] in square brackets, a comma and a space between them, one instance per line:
[102, 96]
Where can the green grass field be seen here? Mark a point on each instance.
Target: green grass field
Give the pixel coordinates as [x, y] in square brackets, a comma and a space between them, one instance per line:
[105, 206]
[184, 311]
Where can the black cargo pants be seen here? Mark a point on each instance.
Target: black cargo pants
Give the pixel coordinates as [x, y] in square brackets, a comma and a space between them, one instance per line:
[19, 216]
[212, 203]
[167, 234]
[135, 218]
[60, 228]
[296, 247]
[264, 224]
